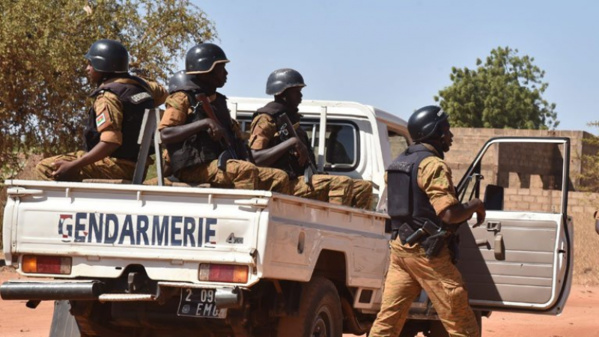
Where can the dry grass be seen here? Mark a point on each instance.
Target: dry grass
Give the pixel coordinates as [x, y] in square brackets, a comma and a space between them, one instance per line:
[586, 250]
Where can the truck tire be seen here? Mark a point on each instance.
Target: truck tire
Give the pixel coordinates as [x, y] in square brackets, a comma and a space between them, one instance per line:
[63, 323]
[319, 312]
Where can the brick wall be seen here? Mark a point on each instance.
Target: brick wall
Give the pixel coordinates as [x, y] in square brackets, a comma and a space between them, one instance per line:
[519, 159]
[530, 177]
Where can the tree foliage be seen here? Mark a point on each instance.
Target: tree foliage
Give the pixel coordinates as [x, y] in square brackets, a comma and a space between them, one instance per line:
[589, 176]
[503, 92]
[42, 42]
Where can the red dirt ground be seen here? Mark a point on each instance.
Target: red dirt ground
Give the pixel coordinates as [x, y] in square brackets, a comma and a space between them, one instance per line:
[579, 319]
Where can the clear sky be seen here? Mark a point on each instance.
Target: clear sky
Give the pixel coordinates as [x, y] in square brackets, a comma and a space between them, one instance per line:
[398, 54]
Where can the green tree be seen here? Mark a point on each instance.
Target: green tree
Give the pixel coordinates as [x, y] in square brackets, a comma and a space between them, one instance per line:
[503, 92]
[44, 91]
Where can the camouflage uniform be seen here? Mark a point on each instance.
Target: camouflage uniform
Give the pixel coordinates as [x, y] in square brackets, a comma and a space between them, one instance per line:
[239, 174]
[334, 189]
[107, 106]
[362, 194]
[410, 270]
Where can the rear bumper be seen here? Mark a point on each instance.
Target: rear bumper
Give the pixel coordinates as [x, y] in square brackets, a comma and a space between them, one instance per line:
[91, 290]
[51, 290]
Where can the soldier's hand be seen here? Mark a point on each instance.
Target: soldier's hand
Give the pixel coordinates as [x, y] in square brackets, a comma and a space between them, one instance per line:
[62, 169]
[215, 131]
[302, 153]
[480, 211]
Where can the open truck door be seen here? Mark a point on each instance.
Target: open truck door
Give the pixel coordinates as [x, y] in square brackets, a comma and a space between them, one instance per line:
[521, 258]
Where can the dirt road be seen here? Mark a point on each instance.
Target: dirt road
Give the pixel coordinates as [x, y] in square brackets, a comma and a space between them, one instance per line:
[579, 319]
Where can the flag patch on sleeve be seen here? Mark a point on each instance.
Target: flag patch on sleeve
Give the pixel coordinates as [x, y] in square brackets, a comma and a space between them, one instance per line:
[100, 120]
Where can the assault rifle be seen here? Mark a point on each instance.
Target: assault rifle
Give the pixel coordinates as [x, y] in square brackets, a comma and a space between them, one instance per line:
[310, 169]
[228, 143]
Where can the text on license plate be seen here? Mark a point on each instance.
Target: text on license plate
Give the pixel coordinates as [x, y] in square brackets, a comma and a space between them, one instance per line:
[199, 303]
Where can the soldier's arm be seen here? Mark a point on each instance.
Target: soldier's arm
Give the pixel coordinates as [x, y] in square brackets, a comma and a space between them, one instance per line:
[459, 213]
[263, 130]
[173, 127]
[269, 156]
[99, 152]
[176, 134]
[435, 180]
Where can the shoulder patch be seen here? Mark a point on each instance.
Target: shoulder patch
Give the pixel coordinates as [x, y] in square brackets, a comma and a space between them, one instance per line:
[100, 120]
[140, 97]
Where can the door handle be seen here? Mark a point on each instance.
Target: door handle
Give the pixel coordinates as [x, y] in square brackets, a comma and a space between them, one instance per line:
[493, 226]
[499, 247]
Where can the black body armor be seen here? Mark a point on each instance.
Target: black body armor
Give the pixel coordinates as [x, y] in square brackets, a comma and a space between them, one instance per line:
[200, 148]
[136, 98]
[409, 206]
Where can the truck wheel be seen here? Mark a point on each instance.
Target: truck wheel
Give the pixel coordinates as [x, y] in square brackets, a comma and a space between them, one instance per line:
[319, 312]
[63, 323]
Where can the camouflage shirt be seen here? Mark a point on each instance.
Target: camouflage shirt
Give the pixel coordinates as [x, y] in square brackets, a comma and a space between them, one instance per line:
[434, 178]
[263, 130]
[109, 110]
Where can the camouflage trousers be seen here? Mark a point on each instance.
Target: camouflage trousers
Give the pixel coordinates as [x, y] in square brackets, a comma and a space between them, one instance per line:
[334, 189]
[107, 168]
[409, 272]
[362, 194]
[239, 174]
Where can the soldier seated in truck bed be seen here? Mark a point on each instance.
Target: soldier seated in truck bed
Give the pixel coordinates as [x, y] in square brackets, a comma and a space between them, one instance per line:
[203, 142]
[114, 120]
[276, 143]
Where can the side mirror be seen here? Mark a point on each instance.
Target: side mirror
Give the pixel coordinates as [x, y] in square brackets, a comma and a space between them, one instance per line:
[493, 198]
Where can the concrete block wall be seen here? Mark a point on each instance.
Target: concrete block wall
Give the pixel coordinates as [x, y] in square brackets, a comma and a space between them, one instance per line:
[518, 158]
[532, 179]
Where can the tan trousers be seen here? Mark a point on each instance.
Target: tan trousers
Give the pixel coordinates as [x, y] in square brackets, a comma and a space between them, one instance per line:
[107, 168]
[334, 189]
[362, 194]
[409, 272]
[239, 174]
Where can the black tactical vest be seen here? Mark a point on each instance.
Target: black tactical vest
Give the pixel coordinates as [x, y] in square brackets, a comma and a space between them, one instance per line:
[200, 148]
[287, 163]
[136, 98]
[406, 202]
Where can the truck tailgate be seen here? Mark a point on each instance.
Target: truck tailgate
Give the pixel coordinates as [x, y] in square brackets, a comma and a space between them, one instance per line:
[106, 227]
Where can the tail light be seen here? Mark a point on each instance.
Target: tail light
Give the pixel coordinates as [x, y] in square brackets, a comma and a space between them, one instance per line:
[223, 273]
[46, 264]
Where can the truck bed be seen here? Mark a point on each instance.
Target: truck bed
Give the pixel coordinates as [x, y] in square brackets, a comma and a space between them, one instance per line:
[169, 231]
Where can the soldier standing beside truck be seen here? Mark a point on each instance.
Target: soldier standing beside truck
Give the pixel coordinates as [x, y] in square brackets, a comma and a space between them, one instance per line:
[114, 119]
[424, 212]
[204, 144]
[274, 145]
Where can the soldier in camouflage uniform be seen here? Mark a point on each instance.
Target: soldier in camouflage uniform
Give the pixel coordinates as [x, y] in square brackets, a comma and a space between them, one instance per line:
[291, 154]
[195, 143]
[414, 267]
[114, 120]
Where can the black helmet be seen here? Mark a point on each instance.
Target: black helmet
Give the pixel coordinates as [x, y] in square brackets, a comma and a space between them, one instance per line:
[425, 122]
[202, 57]
[282, 79]
[179, 81]
[108, 56]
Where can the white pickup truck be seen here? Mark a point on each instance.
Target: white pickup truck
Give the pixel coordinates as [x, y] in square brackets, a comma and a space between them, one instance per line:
[137, 260]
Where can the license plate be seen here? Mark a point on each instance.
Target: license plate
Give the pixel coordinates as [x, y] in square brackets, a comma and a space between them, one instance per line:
[199, 303]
